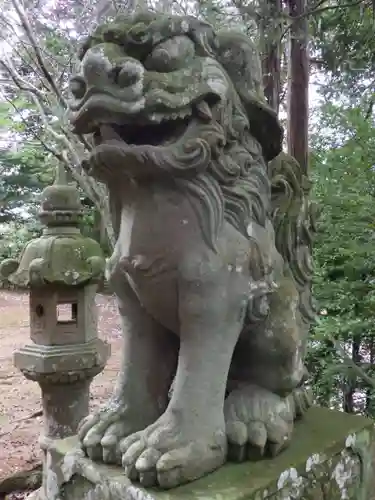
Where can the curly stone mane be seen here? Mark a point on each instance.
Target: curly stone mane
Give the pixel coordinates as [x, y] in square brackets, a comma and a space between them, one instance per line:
[235, 187]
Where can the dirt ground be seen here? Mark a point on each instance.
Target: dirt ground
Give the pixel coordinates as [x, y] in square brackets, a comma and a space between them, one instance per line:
[20, 398]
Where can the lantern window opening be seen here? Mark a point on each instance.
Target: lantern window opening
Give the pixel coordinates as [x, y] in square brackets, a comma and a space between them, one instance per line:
[39, 310]
[67, 313]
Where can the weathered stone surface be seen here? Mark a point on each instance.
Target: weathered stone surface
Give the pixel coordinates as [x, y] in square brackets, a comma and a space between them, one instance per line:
[62, 255]
[47, 328]
[21, 480]
[212, 264]
[39, 362]
[62, 270]
[64, 374]
[331, 458]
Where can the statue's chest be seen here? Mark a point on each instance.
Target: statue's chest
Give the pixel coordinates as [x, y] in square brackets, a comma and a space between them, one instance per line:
[154, 237]
[158, 225]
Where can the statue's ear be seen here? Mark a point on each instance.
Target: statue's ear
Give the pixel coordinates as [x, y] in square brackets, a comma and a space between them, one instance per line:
[239, 57]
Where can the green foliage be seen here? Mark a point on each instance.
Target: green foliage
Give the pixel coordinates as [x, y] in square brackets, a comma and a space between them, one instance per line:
[343, 39]
[343, 161]
[14, 237]
[23, 175]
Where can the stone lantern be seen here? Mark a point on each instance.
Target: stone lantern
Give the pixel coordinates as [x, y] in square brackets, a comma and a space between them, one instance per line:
[62, 270]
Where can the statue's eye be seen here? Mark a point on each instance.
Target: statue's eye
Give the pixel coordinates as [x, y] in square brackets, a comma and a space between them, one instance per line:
[171, 55]
[77, 87]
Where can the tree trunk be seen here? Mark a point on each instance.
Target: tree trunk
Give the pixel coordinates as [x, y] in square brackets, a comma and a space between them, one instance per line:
[298, 83]
[370, 388]
[270, 43]
[351, 384]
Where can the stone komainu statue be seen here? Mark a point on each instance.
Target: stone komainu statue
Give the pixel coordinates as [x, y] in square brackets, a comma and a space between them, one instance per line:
[212, 265]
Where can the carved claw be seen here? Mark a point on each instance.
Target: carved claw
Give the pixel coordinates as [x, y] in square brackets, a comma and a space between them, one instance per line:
[101, 432]
[162, 455]
[257, 422]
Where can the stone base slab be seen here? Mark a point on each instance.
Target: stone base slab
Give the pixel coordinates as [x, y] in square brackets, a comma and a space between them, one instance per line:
[331, 458]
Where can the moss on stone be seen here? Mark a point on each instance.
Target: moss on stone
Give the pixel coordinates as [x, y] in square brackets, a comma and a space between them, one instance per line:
[321, 431]
[325, 444]
[59, 259]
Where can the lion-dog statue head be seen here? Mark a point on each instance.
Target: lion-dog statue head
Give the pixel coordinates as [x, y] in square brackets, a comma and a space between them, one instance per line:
[169, 93]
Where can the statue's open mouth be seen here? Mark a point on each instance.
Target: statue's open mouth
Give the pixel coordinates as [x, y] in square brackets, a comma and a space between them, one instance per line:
[135, 134]
[180, 141]
[155, 130]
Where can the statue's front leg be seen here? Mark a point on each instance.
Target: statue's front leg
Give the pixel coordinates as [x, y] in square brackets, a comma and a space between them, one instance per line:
[189, 439]
[141, 392]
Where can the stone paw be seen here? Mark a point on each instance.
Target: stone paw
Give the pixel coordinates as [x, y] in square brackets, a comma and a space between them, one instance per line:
[100, 433]
[170, 452]
[258, 422]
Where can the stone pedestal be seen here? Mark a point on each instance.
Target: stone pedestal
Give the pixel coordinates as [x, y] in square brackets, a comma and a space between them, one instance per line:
[64, 374]
[331, 458]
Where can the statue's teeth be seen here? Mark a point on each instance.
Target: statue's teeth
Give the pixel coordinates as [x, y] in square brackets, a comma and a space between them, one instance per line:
[177, 115]
[204, 110]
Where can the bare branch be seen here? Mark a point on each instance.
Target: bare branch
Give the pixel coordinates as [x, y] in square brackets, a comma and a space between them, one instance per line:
[370, 109]
[30, 35]
[36, 136]
[21, 83]
[98, 196]
[44, 88]
[329, 7]
[318, 11]
[357, 369]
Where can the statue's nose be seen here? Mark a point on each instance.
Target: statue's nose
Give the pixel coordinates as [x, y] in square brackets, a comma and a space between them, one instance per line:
[96, 69]
[99, 71]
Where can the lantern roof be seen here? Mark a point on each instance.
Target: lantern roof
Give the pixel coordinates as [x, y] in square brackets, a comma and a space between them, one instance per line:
[62, 255]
